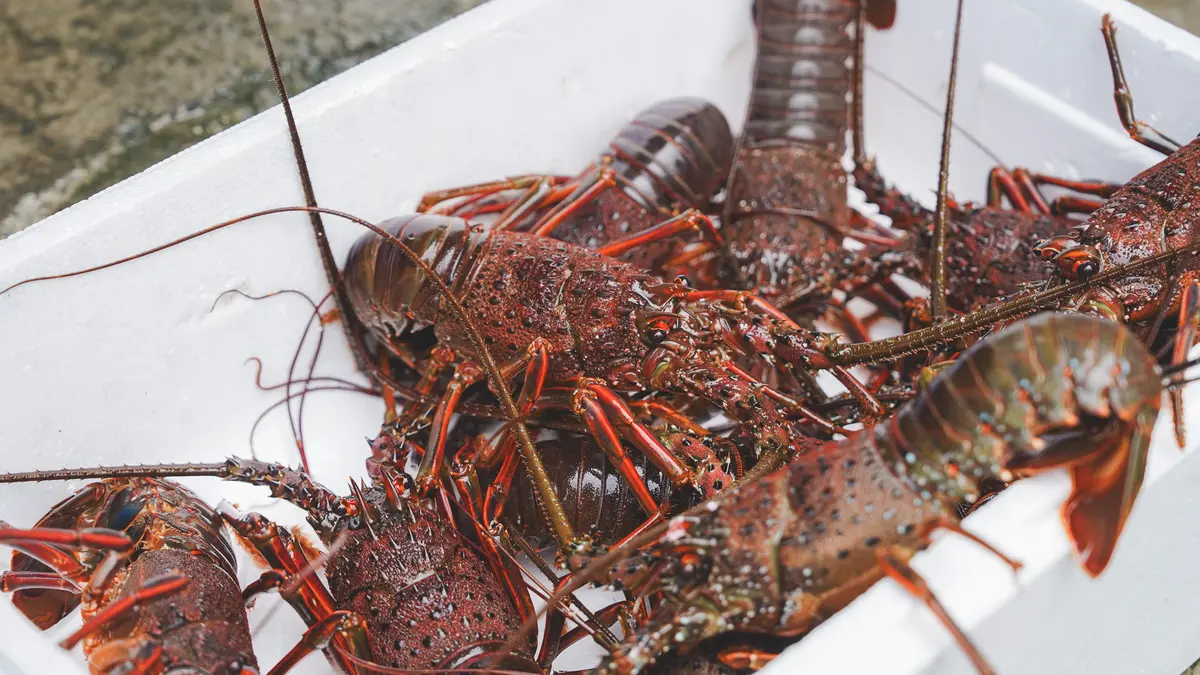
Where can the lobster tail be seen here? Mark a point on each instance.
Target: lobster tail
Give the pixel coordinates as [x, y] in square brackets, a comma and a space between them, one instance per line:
[674, 155]
[391, 295]
[801, 74]
[1103, 491]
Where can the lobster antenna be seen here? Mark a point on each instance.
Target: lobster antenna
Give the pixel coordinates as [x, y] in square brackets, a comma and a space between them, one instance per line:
[938, 254]
[215, 469]
[954, 328]
[350, 325]
[533, 463]
[332, 274]
[297, 429]
[962, 133]
[856, 104]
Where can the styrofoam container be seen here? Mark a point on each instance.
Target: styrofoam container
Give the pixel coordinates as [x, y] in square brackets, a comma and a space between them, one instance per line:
[143, 363]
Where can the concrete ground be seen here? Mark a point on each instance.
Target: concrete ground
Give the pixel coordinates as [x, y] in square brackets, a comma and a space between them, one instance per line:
[1182, 13]
[93, 92]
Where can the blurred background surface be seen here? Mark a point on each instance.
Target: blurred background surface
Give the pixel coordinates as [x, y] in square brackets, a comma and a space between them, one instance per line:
[94, 91]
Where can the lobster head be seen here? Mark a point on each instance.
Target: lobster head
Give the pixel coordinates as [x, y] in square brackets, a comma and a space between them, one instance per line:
[109, 504]
[1136, 297]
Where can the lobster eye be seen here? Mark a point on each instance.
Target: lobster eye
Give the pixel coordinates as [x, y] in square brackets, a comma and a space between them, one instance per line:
[656, 331]
[691, 566]
[1079, 262]
[122, 510]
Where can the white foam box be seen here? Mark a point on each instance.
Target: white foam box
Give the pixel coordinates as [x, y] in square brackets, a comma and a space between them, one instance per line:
[147, 362]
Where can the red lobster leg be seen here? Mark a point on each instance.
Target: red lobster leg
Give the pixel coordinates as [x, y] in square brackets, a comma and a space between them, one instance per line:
[609, 419]
[153, 589]
[789, 343]
[430, 470]
[16, 581]
[745, 658]
[290, 567]
[688, 220]
[588, 189]
[1185, 338]
[43, 544]
[535, 360]
[146, 660]
[478, 190]
[596, 414]
[1124, 98]
[491, 534]
[347, 625]
[1014, 185]
[1022, 188]
[893, 561]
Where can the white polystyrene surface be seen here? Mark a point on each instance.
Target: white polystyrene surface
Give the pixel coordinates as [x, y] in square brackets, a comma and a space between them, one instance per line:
[130, 365]
[1035, 89]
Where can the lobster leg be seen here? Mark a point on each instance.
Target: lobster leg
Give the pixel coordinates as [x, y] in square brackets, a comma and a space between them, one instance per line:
[787, 343]
[1068, 204]
[1124, 98]
[600, 406]
[537, 356]
[484, 513]
[274, 544]
[153, 589]
[97, 538]
[135, 657]
[1185, 338]
[665, 412]
[608, 616]
[893, 561]
[429, 472]
[347, 625]
[688, 220]
[289, 566]
[596, 407]
[1016, 187]
[745, 658]
[589, 188]
[43, 545]
[432, 199]
[16, 581]
[952, 526]
[1021, 187]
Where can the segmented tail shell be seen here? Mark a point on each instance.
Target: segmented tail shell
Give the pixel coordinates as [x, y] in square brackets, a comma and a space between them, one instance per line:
[674, 155]
[802, 73]
[1055, 390]
[381, 280]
